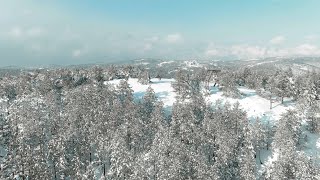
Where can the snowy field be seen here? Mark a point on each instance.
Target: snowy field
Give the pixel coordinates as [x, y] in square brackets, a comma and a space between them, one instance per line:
[162, 88]
[255, 106]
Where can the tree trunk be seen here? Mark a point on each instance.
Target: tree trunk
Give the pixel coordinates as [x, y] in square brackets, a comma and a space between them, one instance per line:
[55, 175]
[154, 167]
[260, 157]
[22, 171]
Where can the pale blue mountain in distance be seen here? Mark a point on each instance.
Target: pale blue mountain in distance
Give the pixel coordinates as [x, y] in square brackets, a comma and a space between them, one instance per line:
[312, 62]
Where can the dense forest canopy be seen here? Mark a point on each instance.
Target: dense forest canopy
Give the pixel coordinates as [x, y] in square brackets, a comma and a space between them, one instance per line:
[71, 123]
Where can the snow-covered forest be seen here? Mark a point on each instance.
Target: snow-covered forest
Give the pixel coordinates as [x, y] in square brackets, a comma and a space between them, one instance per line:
[141, 122]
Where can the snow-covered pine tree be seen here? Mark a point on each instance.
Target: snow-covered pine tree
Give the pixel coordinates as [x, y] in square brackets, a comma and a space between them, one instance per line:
[284, 147]
[282, 84]
[124, 92]
[144, 77]
[259, 137]
[227, 84]
[247, 161]
[121, 157]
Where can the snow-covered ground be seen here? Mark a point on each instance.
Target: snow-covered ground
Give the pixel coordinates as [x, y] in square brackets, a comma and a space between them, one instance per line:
[165, 62]
[312, 145]
[264, 62]
[162, 88]
[255, 106]
[192, 63]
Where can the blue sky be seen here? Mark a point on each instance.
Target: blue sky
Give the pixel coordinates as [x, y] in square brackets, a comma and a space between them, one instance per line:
[45, 32]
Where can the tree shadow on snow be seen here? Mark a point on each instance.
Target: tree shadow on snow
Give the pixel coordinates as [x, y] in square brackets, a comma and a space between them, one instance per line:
[214, 90]
[138, 95]
[286, 103]
[247, 94]
[162, 94]
[160, 81]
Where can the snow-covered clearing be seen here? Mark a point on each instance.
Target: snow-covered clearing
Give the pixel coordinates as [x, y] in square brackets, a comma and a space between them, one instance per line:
[162, 88]
[192, 63]
[255, 106]
[165, 62]
[264, 62]
[312, 145]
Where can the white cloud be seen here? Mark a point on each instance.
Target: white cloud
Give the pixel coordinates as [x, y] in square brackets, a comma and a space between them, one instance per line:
[153, 39]
[277, 40]
[246, 51]
[300, 50]
[277, 52]
[147, 47]
[79, 52]
[174, 38]
[76, 53]
[211, 51]
[16, 32]
[311, 37]
[307, 50]
[36, 47]
[34, 31]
